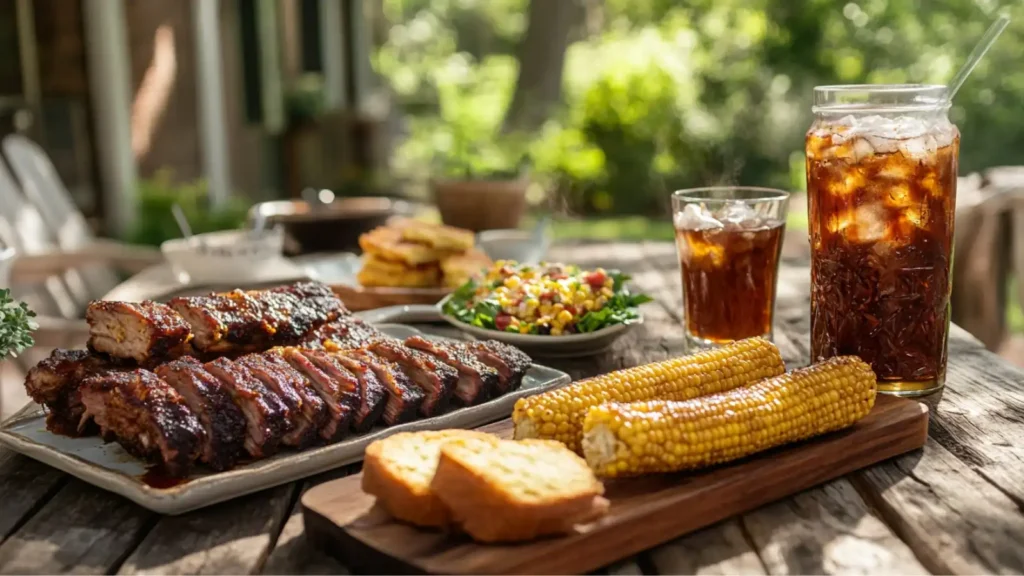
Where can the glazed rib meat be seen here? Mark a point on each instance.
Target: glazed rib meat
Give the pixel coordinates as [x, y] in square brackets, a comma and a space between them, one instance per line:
[266, 417]
[369, 392]
[435, 378]
[211, 402]
[140, 331]
[54, 383]
[403, 397]
[344, 333]
[236, 322]
[146, 416]
[340, 394]
[510, 362]
[306, 410]
[477, 381]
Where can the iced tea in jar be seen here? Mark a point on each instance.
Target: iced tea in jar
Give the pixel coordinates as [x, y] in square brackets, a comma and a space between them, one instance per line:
[881, 184]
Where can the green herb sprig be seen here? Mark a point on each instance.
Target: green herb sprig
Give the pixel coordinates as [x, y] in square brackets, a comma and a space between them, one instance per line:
[16, 325]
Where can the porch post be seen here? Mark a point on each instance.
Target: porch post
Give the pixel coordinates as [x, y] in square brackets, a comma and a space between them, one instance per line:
[332, 53]
[109, 73]
[210, 96]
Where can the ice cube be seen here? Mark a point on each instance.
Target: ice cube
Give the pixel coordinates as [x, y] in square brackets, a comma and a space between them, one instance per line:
[696, 217]
[869, 223]
[739, 214]
[862, 149]
[918, 148]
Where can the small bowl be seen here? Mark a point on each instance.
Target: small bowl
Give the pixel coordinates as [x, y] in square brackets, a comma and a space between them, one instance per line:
[535, 345]
[520, 245]
[227, 255]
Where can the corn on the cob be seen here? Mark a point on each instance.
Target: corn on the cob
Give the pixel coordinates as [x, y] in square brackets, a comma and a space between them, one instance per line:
[666, 436]
[558, 414]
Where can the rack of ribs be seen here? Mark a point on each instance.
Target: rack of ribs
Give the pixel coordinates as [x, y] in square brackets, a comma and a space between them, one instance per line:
[266, 416]
[477, 381]
[211, 402]
[146, 416]
[436, 379]
[54, 383]
[140, 331]
[336, 376]
[306, 410]
[237, 322]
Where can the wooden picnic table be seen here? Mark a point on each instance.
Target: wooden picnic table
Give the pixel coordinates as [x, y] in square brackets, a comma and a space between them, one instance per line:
[954, 507]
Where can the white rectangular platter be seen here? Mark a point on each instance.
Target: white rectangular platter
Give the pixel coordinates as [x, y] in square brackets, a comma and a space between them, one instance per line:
[108, 466]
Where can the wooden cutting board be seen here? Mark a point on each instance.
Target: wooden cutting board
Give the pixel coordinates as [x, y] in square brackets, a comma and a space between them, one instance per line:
[644, 512]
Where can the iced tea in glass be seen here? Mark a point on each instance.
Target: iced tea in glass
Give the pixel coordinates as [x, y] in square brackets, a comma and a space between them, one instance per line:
[881, 184]
[728, 240]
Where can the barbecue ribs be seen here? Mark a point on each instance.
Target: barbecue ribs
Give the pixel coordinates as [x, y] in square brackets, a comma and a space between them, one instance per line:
[477, 381]
[287, 366]
[211, 402]
[143, 331]
[237, 322]
[266, 417]
[54, 383]
[146, 416]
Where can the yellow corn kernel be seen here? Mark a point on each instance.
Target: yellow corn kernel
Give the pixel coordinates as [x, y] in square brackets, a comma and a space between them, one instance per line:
[564, 317]
[556, 330]
[588, 304]
[558, 414]
[702, 432]
[607, 292]
[524, 328]
[545, 309]
[601, 301]
[532, 304]
[556, 308]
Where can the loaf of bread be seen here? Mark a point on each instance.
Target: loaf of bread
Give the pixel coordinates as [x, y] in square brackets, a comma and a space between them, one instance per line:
[508, 491]
[398, 470]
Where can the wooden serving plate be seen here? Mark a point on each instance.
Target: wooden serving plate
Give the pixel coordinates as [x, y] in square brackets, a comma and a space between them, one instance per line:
[358, 298]
[644, 512]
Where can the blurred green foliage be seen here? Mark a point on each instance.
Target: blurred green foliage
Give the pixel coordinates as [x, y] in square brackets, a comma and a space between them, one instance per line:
[156, 222]
[661, 95]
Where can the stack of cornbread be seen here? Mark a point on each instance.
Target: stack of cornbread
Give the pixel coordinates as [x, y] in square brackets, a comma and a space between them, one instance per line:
[413, 254]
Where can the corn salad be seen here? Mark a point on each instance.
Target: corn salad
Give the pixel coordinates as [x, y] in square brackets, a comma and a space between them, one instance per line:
[548, 299]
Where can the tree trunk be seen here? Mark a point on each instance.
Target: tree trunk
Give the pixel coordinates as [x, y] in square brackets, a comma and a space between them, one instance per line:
[541, 61]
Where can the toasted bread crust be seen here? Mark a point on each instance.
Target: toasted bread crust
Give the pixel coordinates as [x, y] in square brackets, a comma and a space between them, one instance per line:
[405, 493]
[486, 505]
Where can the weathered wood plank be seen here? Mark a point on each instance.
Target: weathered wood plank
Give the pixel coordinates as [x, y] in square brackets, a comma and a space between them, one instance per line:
[828, 530]
[980, 418]
[233, 537]
[718, 549]
[954, 520]
[294, 553]
[82, 530]
[25, 485]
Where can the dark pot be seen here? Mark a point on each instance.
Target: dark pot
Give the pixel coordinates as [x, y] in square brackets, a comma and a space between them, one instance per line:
[330, 227]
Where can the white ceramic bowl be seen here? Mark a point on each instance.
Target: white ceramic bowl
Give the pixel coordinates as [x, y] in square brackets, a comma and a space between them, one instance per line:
[519, 245]
[227, 255]
[536, 345]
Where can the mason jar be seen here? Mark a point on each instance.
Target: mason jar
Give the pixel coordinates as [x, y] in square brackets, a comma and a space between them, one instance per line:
[881, 185]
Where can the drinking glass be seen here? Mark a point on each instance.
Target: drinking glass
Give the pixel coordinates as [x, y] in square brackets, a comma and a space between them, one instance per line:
[881, 185]
[728, 239]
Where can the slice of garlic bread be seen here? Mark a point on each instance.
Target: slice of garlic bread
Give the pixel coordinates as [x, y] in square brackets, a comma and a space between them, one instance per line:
[508, 491]
[398, 470]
